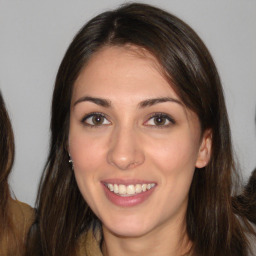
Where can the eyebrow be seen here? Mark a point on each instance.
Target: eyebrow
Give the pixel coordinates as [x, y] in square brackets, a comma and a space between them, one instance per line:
[151, 102]
[98, 101]
[146, 103]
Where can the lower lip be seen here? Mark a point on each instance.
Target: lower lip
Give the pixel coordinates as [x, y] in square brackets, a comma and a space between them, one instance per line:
[127, 201]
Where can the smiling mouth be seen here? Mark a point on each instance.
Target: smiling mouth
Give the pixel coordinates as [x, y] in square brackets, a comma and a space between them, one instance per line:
[129, 190]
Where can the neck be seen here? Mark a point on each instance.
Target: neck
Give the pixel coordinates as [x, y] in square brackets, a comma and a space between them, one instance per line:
[171, 240]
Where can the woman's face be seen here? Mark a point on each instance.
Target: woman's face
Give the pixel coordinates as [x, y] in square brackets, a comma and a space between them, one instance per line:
[133, 143]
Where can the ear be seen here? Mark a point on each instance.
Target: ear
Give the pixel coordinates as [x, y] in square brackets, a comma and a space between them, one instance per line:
[204, 153]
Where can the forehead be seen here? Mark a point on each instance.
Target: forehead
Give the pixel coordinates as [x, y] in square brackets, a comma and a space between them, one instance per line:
[128, 69]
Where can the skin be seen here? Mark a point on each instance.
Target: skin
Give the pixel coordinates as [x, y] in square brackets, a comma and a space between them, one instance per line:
[128, 145]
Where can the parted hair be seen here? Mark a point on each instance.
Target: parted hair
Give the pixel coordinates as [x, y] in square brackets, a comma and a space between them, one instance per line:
[212, 223]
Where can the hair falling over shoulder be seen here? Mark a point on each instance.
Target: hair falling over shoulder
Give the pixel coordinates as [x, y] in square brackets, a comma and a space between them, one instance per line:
[10, 242]
[6, 161]
[214, 226]
[245, 203]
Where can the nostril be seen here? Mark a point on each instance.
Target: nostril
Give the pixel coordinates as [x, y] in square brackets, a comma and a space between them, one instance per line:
[125, 163]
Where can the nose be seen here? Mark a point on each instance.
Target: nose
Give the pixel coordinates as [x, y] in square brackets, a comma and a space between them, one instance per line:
[125, 149]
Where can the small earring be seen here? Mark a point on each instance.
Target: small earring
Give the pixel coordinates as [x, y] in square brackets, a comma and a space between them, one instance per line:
[70, 161]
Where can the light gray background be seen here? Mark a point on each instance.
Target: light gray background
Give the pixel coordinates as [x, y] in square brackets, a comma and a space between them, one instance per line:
[34, 36]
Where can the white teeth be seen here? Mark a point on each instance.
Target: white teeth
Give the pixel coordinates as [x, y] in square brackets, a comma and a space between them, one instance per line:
[122, 189]
[138, 188]
[129, 190]
[115, 188]
[110, 187]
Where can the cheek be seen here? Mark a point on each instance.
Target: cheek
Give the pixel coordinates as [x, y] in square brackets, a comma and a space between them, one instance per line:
[175, 153]
[87, 156]
[175, 158]
[176, 164]
[86, 152]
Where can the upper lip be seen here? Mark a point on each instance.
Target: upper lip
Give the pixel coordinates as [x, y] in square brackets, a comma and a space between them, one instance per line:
[127, 181]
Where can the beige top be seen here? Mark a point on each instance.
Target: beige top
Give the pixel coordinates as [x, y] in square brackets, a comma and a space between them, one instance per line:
[22, 216]
[88, 245]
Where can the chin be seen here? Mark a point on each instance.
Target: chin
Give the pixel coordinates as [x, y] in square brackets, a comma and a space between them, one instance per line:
[127, 228]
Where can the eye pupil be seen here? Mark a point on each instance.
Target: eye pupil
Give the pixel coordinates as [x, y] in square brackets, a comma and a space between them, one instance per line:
[159, 120]
[97, 120]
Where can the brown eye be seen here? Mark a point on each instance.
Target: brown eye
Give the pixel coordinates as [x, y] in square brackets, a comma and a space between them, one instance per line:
[95, 119]
[160, 120]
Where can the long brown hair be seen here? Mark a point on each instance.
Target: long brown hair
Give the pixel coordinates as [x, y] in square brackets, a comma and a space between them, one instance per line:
[63, 215]
[246, 202]
[8, 240]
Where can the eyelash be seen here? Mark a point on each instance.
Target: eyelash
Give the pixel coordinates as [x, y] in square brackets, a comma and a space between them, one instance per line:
[155, 115]
[161, 115]
[94, 114]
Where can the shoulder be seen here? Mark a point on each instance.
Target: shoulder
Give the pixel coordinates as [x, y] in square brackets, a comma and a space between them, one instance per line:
[88, 245]
[20, 218]
[22, 215]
